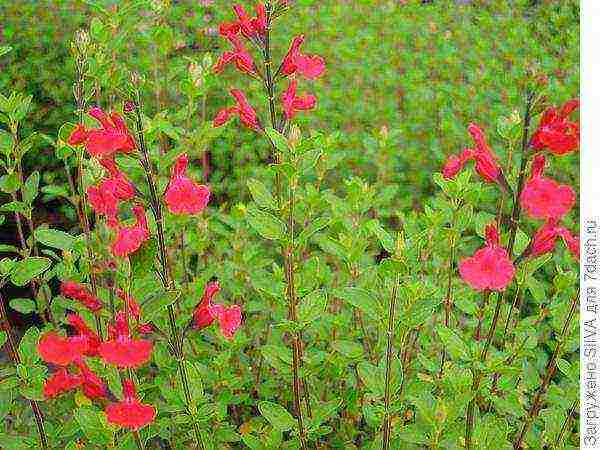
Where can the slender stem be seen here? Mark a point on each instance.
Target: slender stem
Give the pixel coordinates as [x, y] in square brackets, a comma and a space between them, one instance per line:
[37, 413]
[484, 302]
[550, 371]
[567, 422]
[387, 421]
[448, 297]
[166, 276]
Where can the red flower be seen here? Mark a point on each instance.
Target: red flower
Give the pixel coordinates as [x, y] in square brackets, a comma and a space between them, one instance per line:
[132, 306]
[183, 196]
[84, 333]
[202, 315]
[78, 136]
[490, 267]
[251, 26]
[130, 239]
[544, 198]
[544, 240]
[556, 132]
[59, 350]
[121, 349]
[572, 243]
[92, 385]
[112, 137]
[240, 56]
[80, 293]
[230, 318]
[485, 159]
[247, 114]
[117, 182]
[293, 103]
[130, 412]
[295, 62]
[60, 382]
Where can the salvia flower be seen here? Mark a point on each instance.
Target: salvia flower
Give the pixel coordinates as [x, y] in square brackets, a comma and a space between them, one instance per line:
[92, 385]
[544, 198]
[292, 103]
[130, 238]
[183, 196]
[544, 240]
[121, 349]
[104, 142]
[61, 382]
[310, 67]
[246, 113]
[84, 333]
[489, 268]
[130, 412]
[486, 161]
[62, 351]
[79, 292]
[206, 312]
[239, 56]
[556, 132]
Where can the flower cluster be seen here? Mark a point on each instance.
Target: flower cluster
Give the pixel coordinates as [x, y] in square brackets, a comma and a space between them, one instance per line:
[294, 64]
[556, 133]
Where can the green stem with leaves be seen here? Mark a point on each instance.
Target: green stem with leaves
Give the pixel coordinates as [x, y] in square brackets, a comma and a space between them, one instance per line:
[165, 270]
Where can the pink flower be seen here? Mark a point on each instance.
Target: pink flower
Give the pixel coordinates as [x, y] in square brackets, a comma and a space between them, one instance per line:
[130, 412]
[544, 198]
[183, 196]
[311, 67]
[556, 132]
[251, 26]
[240, 56]
[247, 114]
[105, 197]
[79, 292]
[62, 351]
[132, 306]
[490, 267]
[544, 240]
[112, 136]
[121, 349]
[60, 382]
[130, 239]
[293, 103]
[91, 339]
[92, 385]
[202, 315]
[572, 243]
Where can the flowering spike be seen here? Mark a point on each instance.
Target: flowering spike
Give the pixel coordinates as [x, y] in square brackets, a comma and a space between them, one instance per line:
[293, 103]
[183, 196]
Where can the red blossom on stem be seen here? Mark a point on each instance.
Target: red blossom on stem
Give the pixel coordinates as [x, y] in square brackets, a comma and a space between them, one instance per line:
[62, 351]
[91, 339]
[183, 196]
[556, 132]
[60, 382]
[246, 113]
[105, 197]
[293, 103]
[206, 312]
[490, 267]
[311, 67]
[111, 137]
[130, 412]
[239, 56]
[544, 198]
[121, 349]
[130, 238]
[92, 385]
[544, 240]
[79, 292]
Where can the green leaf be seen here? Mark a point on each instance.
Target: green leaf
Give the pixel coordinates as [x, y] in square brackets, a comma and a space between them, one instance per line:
[30, 188]
[3, 338]
[18, 207]
[4, 49]
[386, 240]
[142, 261]
[261, 194]
[312, 306]
[373, 377]
[94, 426]
[152, 307]
[455, 346]
[23, 305]
[5, 248]
[55, 238]
[278, 140]
[266, 224]
[361, 299]
[277, 415]
[349, 349]
[10, 183]
[315, 226]
[6, 142]
[29, 268]
[28, 346]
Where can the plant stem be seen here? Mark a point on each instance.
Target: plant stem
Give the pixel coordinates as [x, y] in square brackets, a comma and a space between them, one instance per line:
[387, 421]
[37, 413]
[166, 276]
[550, 371]
[484, 302]
[448, 297]
[514, 224]
[568, 419]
